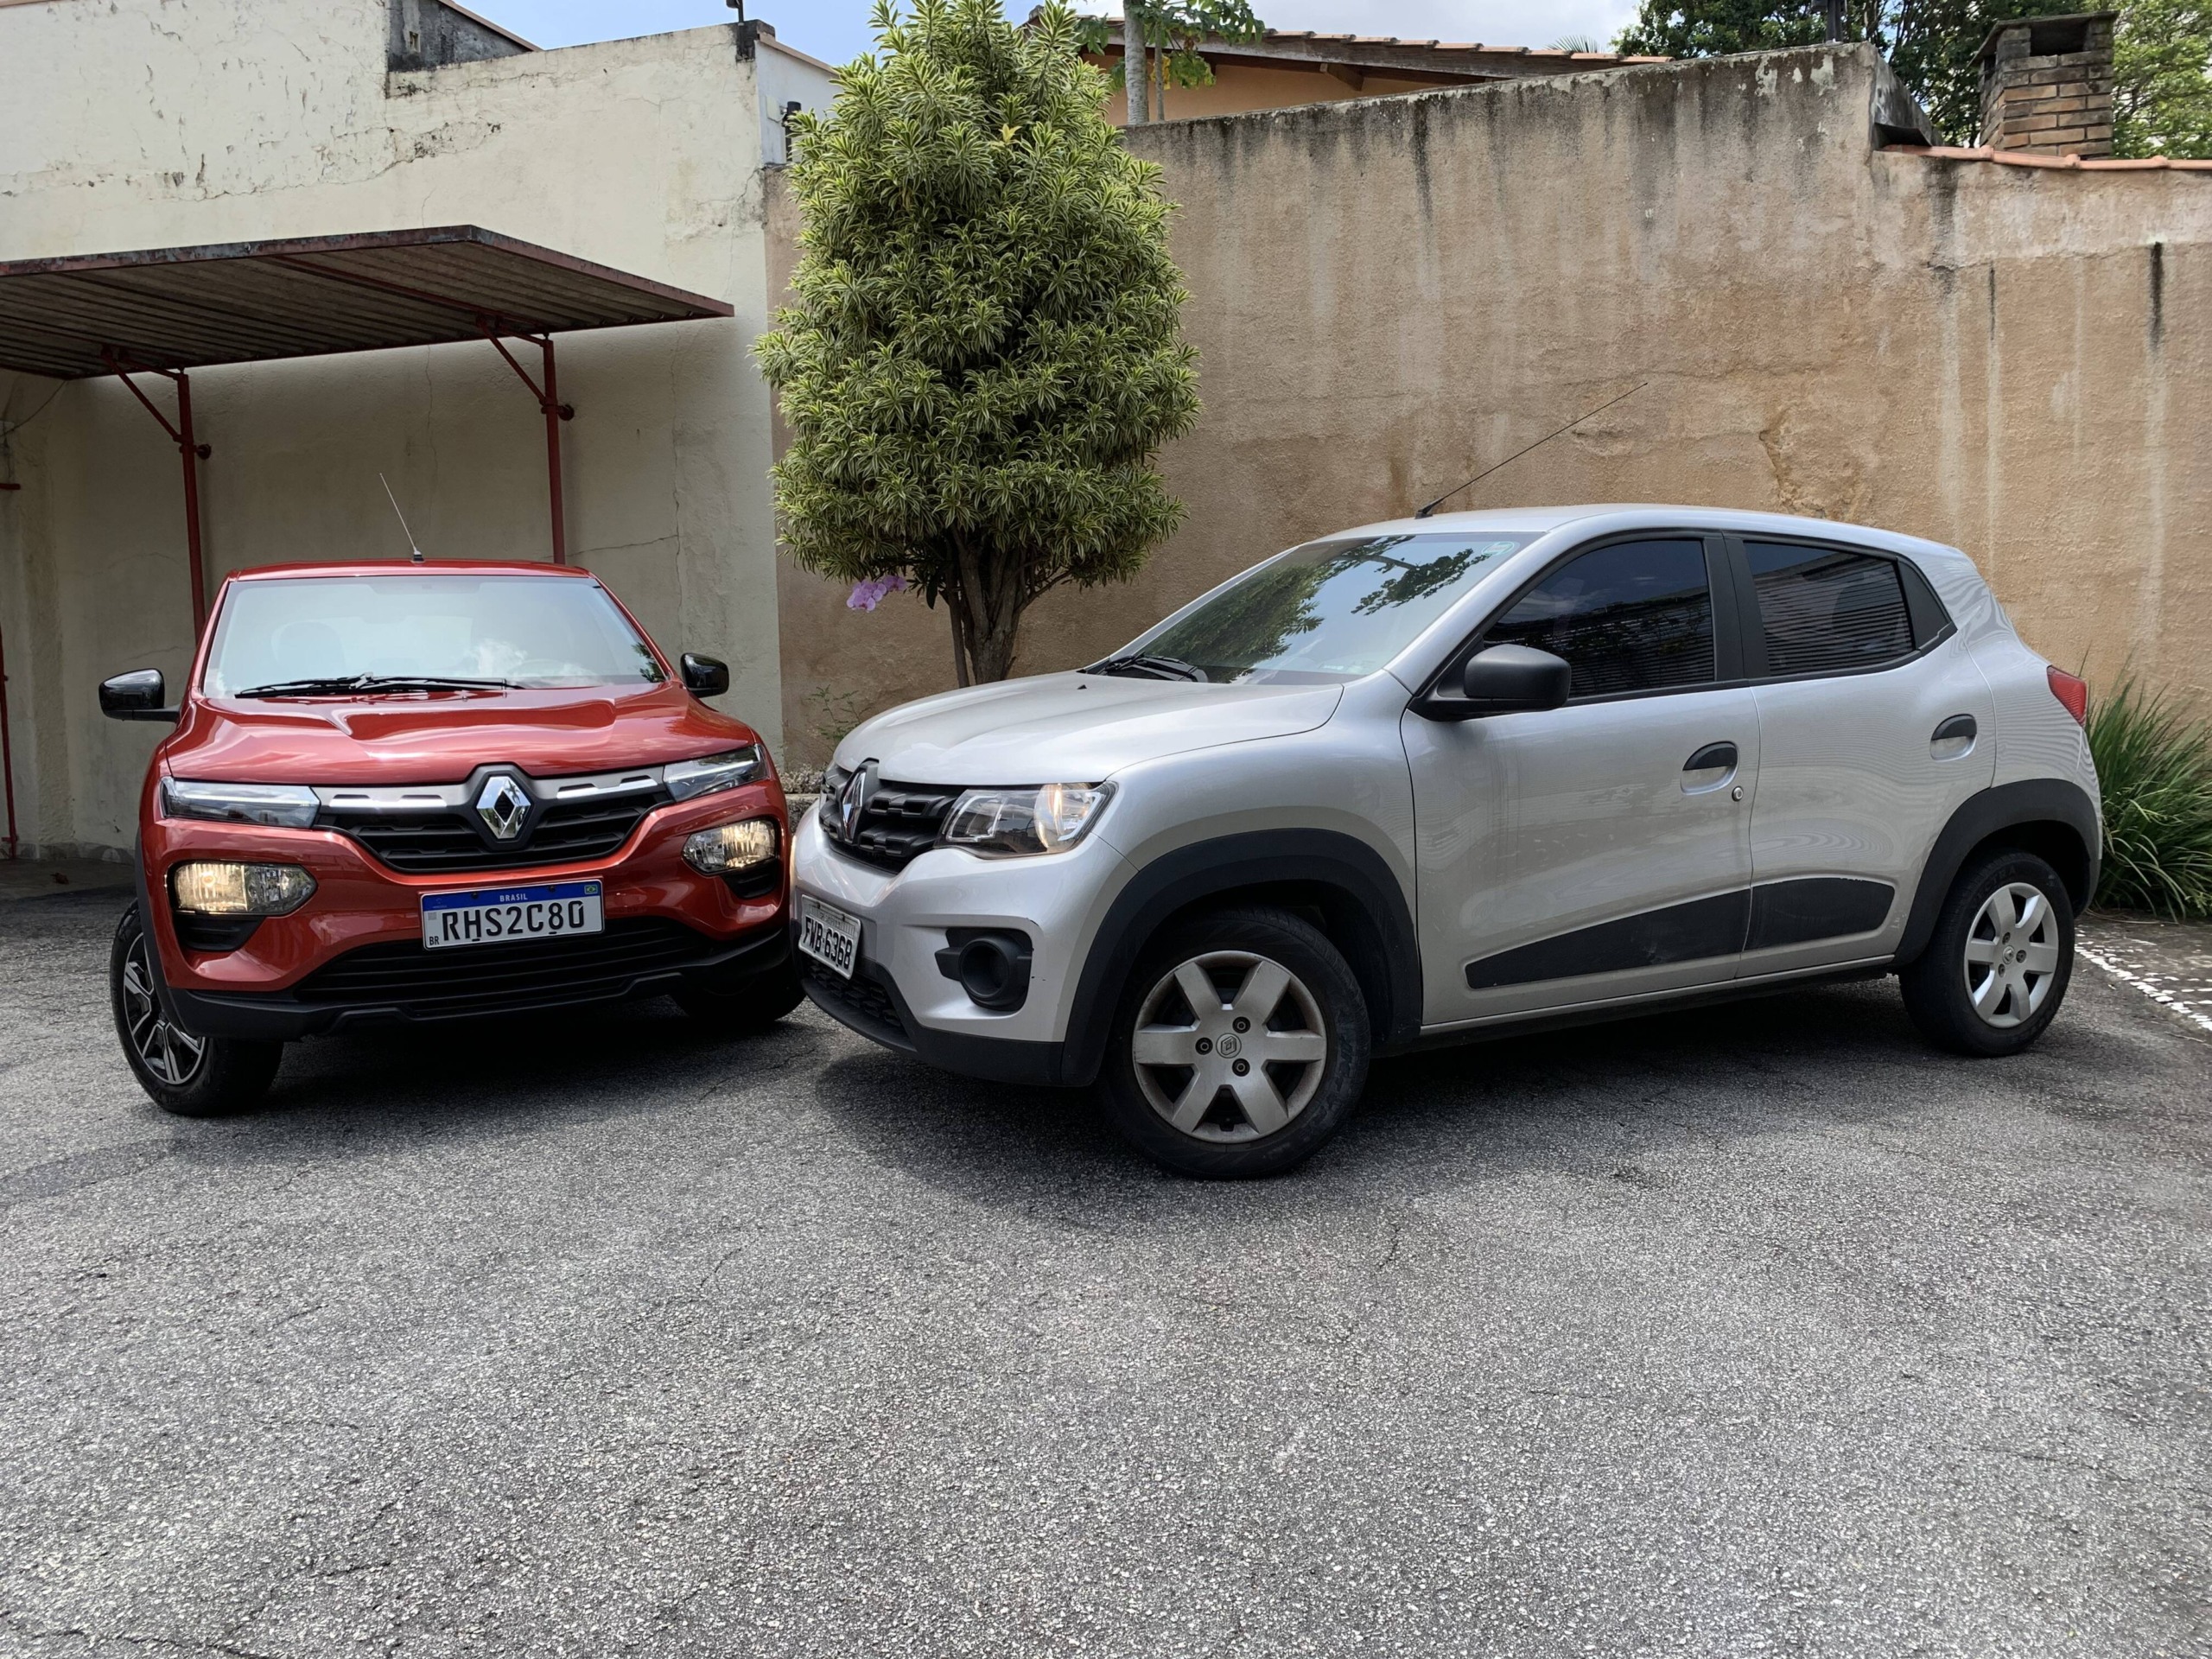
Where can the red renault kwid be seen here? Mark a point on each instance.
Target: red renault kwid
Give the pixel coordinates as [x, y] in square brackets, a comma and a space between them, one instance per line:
[411, 793]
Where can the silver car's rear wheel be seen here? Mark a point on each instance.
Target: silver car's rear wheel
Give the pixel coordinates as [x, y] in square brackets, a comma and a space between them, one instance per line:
[2012, 956]
[1229, 1046]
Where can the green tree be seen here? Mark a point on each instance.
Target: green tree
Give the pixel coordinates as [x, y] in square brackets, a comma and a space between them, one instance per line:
[985, 352]
[2162, 102]
[1165, 38]
[2162, 63]
[1932, 44]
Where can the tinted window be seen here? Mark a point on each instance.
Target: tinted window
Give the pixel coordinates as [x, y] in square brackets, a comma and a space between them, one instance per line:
[1635, 616]
[1825, 611]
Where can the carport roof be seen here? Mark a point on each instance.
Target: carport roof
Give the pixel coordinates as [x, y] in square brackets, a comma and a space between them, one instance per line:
[79, 315]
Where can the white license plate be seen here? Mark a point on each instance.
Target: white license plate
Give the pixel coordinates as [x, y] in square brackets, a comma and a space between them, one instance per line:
[499, 915]
[827, 935]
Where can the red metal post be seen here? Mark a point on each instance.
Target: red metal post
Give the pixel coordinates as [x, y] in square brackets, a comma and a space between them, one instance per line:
[194, 453]
[6, 750]
[191, 453]
[553, 418]
[548, 399]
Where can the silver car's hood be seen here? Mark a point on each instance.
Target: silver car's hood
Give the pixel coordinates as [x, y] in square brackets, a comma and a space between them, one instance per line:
[1074, 729]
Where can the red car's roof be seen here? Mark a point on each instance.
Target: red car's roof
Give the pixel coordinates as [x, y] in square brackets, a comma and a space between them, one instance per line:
[407, 568]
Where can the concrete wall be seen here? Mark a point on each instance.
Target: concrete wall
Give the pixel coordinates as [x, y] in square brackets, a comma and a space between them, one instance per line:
[1390, 296]
[133, 123]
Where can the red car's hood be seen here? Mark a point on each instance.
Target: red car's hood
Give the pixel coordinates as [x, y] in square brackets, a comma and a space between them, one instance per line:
[443, 737]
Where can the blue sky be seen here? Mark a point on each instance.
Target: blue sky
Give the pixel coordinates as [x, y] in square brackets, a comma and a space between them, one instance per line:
[837, 30]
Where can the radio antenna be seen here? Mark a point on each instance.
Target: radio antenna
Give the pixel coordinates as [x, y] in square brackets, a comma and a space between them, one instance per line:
[401, 517]
[1429, 510]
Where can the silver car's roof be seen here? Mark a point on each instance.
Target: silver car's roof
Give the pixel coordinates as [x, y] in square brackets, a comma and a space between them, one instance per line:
[1602, 517]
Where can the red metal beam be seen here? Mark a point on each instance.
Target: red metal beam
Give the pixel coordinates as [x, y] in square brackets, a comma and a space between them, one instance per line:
[549, 400]
[7, 747]
[192, 452]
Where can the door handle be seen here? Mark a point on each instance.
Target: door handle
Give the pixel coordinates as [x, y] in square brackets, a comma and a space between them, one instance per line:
[1954, 737]
[1709, 769]
[1713, 757]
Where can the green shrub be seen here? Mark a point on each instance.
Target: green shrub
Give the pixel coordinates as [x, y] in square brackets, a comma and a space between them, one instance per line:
[2154, 764]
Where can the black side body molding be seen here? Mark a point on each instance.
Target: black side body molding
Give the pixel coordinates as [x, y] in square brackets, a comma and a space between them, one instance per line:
[1812, 908]
[2035, 801]
[1688, 932]
[1327, 862]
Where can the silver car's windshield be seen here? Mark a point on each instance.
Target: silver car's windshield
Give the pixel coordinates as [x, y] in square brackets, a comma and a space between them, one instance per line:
[308, 636]
[1328, 612]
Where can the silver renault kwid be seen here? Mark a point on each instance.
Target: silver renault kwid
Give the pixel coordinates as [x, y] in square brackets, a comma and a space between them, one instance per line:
[1442, 777]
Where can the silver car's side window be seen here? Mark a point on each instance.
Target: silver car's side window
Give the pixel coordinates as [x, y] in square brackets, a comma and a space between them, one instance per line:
[1826, 610]
[1628, 617]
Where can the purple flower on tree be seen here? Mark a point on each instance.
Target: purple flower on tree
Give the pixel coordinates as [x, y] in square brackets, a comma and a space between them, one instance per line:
[867, 595]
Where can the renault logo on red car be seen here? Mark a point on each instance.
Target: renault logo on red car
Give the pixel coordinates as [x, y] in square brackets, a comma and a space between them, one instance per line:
[504, 806]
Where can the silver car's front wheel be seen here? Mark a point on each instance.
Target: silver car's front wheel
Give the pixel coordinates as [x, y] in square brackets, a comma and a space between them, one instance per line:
[1229, 1046]
[1239, 1043]
[2011, 954]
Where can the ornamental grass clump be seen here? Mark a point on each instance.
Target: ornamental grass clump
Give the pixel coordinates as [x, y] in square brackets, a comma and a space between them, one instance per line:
[2154, 766]
[984, 352]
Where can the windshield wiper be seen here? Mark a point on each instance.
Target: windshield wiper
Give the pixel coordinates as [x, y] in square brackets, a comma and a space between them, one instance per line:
[356, 683]
[1148, 668]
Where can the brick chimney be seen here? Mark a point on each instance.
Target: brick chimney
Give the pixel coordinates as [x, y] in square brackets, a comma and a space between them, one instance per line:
[2046, 85]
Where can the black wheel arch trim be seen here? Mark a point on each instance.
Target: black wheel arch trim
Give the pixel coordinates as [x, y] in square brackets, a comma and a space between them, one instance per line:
[1326, 859]
[1994, 810]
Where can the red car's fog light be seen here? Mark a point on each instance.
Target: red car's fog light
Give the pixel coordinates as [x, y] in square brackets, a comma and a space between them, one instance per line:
[240, 889]
[729, 847]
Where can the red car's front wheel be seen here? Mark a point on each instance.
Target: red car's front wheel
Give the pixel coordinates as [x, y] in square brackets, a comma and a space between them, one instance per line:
[181, 1071]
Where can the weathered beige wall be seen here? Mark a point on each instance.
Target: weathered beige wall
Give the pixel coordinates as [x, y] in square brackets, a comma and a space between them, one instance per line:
[1391, 294]
[151, 123]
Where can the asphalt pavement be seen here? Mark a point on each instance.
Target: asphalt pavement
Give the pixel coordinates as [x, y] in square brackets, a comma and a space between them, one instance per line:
[1755, 1331]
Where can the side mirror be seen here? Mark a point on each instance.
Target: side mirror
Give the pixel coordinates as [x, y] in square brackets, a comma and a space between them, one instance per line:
[705, 677]
[1503, 680]
[136, 696]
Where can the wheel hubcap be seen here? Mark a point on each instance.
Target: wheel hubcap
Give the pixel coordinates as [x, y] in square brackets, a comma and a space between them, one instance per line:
[169, 1052]
[2011, 954]
[1229, 1046]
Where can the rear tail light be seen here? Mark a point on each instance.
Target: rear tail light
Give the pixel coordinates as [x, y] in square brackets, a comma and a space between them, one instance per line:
[2071, 691]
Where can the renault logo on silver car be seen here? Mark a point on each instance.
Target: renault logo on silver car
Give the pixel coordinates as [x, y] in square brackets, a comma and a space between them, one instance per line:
[503, 806]
[853, 804]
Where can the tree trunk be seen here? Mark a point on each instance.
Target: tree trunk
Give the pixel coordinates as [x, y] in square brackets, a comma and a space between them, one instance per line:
[986, 601]
[1134, 69]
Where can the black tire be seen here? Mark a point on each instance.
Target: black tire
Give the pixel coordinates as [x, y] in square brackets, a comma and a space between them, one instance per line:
[1982, 987]
[1165, 1110]
[740, 1008]
[181, 1072]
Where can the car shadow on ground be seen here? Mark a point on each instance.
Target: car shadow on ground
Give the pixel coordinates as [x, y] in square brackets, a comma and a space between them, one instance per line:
[1596, 1098]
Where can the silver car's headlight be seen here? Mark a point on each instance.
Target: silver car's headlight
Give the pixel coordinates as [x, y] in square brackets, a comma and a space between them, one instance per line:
[686, 779]
[281, 806]
[1014, 821]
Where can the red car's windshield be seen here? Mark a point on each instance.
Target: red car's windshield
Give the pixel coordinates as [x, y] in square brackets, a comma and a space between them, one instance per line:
[308, 636]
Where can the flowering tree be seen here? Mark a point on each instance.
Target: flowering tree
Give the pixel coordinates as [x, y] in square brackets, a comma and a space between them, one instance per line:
[985, 352]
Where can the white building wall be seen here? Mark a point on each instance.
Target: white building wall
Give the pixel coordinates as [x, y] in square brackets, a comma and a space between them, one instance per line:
[137, 123]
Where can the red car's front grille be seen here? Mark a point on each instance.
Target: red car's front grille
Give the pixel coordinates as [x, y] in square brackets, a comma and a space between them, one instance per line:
[486, 979]
[447, 843]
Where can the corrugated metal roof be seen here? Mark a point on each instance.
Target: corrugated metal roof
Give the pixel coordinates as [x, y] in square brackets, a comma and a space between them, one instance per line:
[310, 297]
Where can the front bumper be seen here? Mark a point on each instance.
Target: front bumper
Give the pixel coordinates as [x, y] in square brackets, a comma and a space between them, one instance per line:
[354, 953]
[901, 996]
